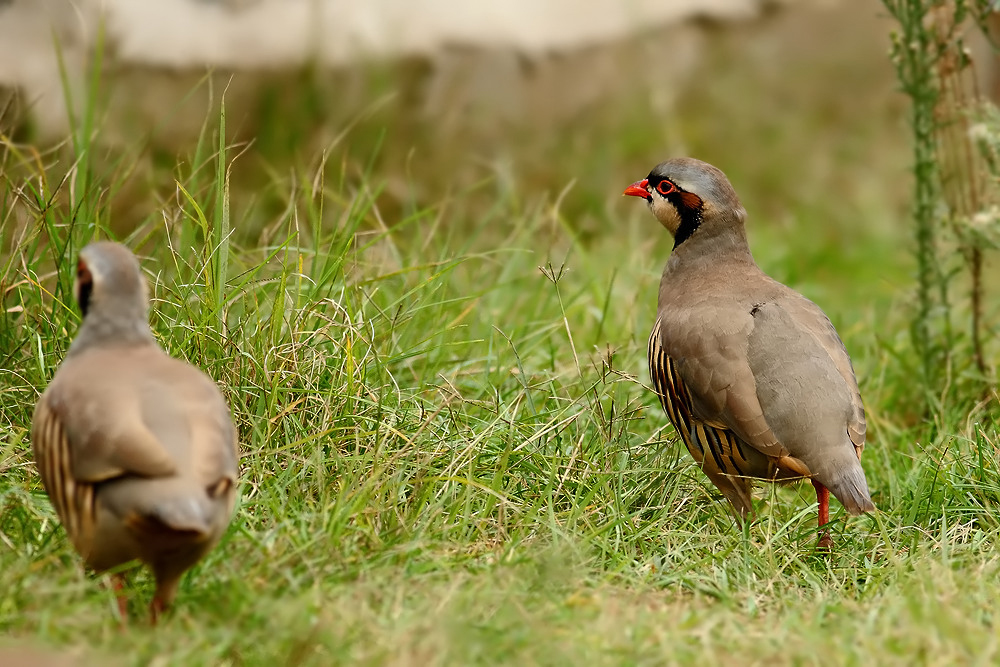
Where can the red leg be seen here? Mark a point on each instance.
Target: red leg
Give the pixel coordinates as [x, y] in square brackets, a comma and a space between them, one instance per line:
[823, 500]
[118, 585]
[156, 608]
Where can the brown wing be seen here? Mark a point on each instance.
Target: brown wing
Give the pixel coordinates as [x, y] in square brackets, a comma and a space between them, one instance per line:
[813, 320]
[185, 411]
[97, 398]
[87, 429]
[728, 462]
[708, 346]
[72, 498]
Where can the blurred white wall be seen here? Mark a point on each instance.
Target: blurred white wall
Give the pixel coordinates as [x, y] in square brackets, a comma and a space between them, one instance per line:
[277, 34]
[269, 33]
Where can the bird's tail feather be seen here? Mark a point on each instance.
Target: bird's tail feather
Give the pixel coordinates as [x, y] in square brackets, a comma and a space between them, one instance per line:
[851, 489]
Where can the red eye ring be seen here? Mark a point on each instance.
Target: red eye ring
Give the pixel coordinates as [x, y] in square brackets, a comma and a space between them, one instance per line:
[665, 187]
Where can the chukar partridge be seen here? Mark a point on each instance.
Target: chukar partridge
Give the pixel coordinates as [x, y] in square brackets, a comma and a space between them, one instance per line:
[137, 450]
[752, 374]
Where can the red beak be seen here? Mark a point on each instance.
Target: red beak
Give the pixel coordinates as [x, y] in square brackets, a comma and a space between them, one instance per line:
[638, 189]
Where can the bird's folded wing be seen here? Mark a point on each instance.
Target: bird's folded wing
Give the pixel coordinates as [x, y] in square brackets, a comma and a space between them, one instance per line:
[104, 443]
[812, 319]
[215, 450]
[128, 449]
[72, 498]
[710, 354]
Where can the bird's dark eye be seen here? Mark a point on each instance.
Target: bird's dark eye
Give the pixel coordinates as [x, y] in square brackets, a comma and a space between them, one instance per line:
[665, 187]
[84, 286]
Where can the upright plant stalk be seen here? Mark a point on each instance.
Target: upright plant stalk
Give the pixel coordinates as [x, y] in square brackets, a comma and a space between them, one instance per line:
[976, 269]
[220, 241]
[952, 182]
[962, 170]
[914, 55]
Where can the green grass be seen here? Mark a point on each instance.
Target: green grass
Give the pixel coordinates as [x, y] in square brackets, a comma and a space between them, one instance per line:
[450, 453]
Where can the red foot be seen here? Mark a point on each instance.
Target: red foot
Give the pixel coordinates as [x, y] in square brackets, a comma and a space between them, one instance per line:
[825, 543]
[823, 500]
[156, 608]
[118, 585]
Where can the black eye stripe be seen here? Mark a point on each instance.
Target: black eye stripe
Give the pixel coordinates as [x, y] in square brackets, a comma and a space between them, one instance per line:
[84, 286]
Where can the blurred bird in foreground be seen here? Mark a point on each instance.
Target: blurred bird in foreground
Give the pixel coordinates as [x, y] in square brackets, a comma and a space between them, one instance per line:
[137, 450]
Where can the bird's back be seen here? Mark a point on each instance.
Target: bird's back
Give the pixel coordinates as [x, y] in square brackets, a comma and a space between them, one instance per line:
[147, 446]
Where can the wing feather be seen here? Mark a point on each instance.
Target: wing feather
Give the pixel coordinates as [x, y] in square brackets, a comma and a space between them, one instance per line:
[711, 361]
[72, 498]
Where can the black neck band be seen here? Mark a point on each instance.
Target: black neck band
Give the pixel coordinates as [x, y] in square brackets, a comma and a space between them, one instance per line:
[690, 221]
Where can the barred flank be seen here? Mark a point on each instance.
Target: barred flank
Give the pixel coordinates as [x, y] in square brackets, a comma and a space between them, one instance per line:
[725, 449]
[72, 499]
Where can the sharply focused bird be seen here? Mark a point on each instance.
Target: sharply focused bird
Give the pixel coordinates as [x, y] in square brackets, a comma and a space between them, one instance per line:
[136, 450]
[752, 374]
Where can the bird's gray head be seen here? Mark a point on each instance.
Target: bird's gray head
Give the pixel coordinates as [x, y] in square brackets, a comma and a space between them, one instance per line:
[683, 193]
[112, 294]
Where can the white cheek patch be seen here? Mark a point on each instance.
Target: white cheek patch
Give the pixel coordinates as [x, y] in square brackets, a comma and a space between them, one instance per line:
[666, 213]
